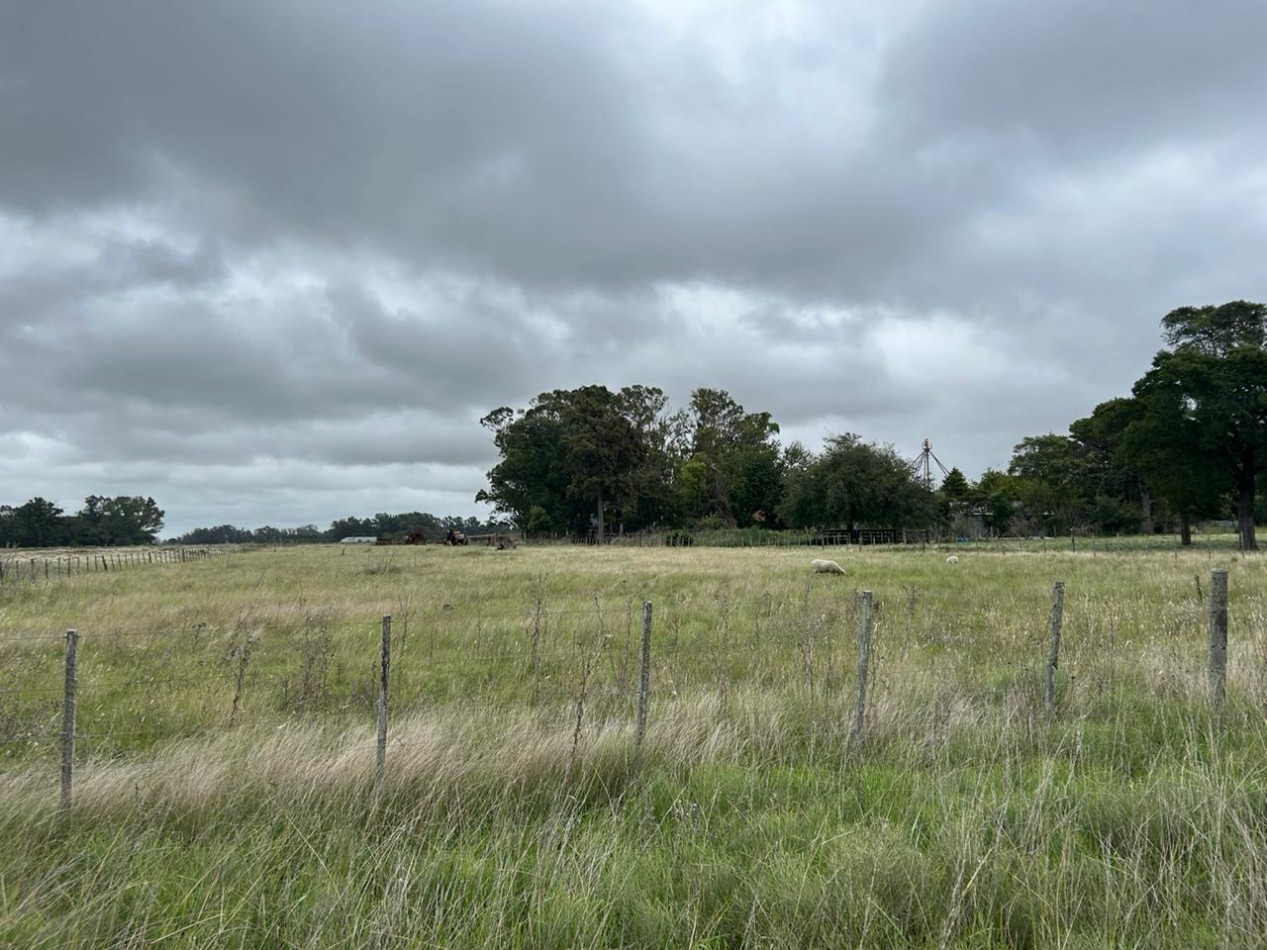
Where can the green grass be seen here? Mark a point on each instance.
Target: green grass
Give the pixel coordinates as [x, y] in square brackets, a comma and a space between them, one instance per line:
[224, 790]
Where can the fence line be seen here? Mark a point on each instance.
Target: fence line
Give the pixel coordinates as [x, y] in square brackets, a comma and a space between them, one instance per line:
[32, 568]
[639, 669]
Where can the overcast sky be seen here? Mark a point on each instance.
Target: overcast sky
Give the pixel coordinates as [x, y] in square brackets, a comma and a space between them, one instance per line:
[271, 262]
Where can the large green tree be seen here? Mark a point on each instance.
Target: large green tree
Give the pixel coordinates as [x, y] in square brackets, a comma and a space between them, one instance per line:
[37, 524]
[571, 455]
[1050, 479]
[735, 471]
[1116, 476]
[1148, 448]
[1209, 391]
[530, 482]
[856, 484]
[663, 434]
[995, 497]
[126, 519]
[1080, 480]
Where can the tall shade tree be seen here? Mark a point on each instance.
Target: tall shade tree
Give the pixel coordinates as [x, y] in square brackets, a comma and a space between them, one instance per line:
[121, 520]
[663, 434]
[36, 524]
[570, 455]
[735, 471]
[1211, 390]
[605, 451]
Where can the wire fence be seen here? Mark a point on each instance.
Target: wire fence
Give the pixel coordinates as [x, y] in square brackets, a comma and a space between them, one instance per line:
[107, 694]
[27, 569]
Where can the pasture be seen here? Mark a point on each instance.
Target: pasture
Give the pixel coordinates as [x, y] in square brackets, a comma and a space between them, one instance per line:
[225, 751]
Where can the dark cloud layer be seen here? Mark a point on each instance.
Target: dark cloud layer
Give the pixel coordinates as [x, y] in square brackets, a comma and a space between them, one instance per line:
[274, 261]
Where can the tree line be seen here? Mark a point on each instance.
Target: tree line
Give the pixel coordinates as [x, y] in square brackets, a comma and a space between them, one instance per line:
[134, 520]
[588, 462]
[100, 522]
[1189, 443]
[388, 527]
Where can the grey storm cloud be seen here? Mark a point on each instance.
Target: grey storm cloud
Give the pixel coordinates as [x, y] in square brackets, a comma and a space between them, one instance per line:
[258, 240]
[1078, 80]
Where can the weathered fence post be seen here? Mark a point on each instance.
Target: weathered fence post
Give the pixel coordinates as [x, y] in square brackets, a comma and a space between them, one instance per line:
[68, 720]
[644, 676]
[1053, 658]
[384, 666]
[1218, 636]
[864, 659]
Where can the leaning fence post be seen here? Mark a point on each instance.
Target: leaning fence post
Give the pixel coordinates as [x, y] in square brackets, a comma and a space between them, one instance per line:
[1218, 636]
[864, 657]
[68, 720]
[1053, 658]
[384, 666]
[644, 677]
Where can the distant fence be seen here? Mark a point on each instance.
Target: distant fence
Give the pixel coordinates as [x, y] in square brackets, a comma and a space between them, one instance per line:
[552, 661]
[765, 537]
[26, 568]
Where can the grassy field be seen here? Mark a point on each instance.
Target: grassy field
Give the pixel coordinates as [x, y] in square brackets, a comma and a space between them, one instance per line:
[226, 751]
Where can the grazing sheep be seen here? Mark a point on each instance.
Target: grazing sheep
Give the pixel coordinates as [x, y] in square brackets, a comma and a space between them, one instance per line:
[822, 566]
[953, 559]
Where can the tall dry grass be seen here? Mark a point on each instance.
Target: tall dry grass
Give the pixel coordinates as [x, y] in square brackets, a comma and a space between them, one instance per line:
[224, 794]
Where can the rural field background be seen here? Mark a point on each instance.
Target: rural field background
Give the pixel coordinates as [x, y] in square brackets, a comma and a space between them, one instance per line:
[224, 790]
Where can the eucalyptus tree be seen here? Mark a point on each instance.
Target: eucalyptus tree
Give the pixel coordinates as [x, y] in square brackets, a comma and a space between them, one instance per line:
[735, 469]
[566, 459]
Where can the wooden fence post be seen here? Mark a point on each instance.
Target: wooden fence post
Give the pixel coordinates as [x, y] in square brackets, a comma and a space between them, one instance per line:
[380, 762]
[864, 659]
[644, 677]
[1053, 658]
[68, 720]
[1218, 636]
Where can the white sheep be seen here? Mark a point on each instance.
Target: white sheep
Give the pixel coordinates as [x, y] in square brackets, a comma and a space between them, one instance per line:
[822, 566]
[953, 559]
